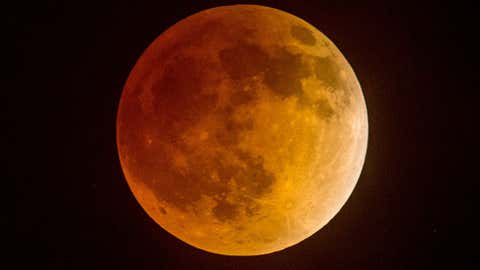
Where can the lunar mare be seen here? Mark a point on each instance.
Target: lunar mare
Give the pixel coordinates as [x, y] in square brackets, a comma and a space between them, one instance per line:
[242, 130]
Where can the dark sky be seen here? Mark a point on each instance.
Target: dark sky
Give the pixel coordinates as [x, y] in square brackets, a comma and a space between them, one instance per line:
[411, 209]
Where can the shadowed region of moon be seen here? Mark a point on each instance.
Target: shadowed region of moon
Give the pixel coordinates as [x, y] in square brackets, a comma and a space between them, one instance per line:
[242, 130]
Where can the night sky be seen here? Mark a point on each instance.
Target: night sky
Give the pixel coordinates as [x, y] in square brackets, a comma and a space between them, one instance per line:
[411, 209]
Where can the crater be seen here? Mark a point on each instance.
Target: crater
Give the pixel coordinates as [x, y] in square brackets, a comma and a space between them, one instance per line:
[162, 210]
[302, 34]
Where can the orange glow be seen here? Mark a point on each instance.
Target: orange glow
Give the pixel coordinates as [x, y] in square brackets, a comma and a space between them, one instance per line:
[242, 130]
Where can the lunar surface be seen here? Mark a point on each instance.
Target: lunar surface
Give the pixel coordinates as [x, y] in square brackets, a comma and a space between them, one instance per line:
[242, 130]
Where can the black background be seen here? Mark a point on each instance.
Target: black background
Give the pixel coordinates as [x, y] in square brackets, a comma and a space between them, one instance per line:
[411, 209]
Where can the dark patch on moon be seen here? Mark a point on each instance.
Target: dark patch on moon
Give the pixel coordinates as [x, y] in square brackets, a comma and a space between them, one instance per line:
[243, 60]
[225, 211]
[242, 97]
[252, 208]
[268, 239]
[303, 35]
[173, 91]
[324, 109]
[229, 136]
[255, 179]
[252, 179]
[327, 71]
[162, 210]
[284, 73]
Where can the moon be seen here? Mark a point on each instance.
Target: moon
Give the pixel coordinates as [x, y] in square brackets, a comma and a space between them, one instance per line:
[242, 130]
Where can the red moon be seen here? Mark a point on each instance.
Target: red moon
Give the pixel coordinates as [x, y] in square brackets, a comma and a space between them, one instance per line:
[242, 130]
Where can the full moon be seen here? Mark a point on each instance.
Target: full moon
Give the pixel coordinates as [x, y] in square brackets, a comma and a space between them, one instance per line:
[242, 130]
